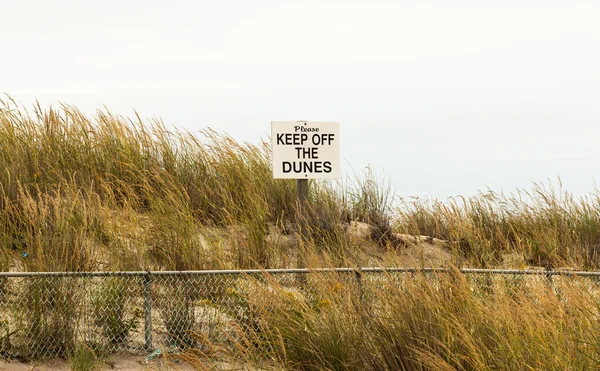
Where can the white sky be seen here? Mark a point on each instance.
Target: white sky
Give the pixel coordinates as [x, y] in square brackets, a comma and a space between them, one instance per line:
[441, 97]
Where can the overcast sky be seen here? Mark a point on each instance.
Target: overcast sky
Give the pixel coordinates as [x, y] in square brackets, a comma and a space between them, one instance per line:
[440, 97]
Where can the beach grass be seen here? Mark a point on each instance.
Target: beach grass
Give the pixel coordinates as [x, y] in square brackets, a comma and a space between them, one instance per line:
[107, 192]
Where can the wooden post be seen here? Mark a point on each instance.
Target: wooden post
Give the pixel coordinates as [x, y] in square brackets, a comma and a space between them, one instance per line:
[302, 223]
[302, 191]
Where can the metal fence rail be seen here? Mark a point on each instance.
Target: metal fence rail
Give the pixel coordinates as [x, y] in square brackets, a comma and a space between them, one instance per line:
[46, 314]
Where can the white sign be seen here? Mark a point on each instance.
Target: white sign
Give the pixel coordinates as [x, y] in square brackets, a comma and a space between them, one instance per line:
[305, 150]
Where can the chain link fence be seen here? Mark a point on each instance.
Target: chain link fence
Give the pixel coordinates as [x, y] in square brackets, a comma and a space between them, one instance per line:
[47, 314]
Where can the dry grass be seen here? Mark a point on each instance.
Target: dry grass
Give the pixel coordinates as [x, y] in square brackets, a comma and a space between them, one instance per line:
[442, 322]
[111, 193]
[547, 226]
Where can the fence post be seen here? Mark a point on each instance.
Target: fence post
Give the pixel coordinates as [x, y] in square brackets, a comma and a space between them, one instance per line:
[548, 275]
[358, 274]
[148, 312]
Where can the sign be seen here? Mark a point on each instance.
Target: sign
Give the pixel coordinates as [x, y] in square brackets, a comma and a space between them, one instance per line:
[305, 150]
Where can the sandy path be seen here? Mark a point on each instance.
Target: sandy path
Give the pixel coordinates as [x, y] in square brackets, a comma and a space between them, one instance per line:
[123, 363]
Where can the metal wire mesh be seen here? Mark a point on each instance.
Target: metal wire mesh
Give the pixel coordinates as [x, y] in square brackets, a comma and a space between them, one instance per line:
[47, 314]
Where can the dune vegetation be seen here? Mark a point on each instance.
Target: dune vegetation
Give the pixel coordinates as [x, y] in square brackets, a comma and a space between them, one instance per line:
[112, 193]
[115, 193]
[107, 193]
[425, 322]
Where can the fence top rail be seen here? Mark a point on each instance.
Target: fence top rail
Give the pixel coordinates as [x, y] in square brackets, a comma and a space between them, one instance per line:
[301, 271]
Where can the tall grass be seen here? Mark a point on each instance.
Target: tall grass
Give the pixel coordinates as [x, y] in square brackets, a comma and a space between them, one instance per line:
[421, 322]
[107, 192]
[112, 193]
[547, 226]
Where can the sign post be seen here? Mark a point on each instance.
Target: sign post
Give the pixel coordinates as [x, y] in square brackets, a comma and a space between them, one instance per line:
[305, 150]
[302, 194]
